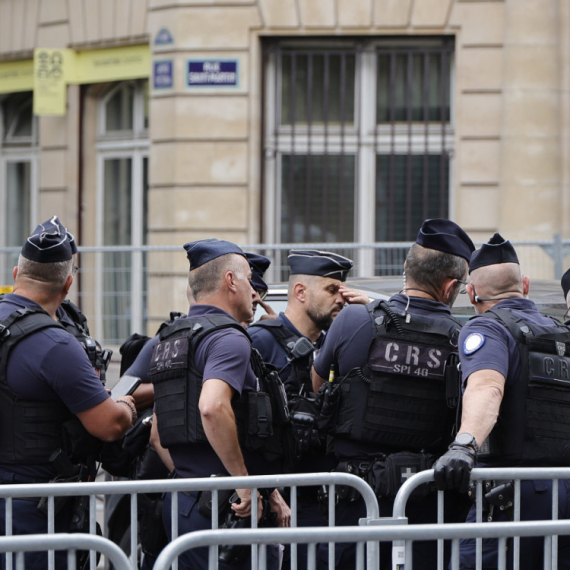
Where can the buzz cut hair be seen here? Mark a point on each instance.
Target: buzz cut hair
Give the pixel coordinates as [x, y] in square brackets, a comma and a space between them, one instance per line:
[430, 268]
[52, 275]
[207, 279]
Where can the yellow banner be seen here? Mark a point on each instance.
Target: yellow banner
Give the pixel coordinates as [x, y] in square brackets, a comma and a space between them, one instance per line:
[16, 76]
[112, 64]
[53, 69]
[6, 289]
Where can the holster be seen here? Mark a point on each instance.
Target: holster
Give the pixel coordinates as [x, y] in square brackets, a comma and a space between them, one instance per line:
[304, 414]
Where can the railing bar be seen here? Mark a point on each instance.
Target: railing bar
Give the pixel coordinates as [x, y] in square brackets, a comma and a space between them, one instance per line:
[332, 512]
[134, 531]
[51, 530]
[9, 555]
[294, 525]
[174, 523]
[311, 556]
[92, 529]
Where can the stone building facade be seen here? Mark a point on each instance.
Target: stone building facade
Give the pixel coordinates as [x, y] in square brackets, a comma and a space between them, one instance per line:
[285, 120]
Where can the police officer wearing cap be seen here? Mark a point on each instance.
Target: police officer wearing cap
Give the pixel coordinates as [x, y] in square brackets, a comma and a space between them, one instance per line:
[202, 369]
[565, 283]
[389, 369]
[515, 410]
[46, 375]
[316, 295]
[259, 265]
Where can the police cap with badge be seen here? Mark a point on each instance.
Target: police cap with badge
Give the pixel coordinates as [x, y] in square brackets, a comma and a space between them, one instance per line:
[50, 242]
[205, 250]
[259, 265]
[445, 236]
[321, 263]
[565, 282]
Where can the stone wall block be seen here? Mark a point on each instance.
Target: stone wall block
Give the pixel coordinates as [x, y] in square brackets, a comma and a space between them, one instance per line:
[53, 11]
[355, 13]
[479, 208]
[279, 13]
[18, 23]
[392, 13]
[317, 13]
[216, 27]
[480, 114]
[5, 25]
[92, 20]
[199, 163]
[533, 21]
[139, 20]
[123, 15]
[108, 18]
[479, 161]
[54, 202]
[480, 69]
[531, 162]
[205, 208]
[53, 36]
[430, 12]
[532, 113]
[52, 131]
[77, 22]
[52, 169]
[480, 22]
[531, 66]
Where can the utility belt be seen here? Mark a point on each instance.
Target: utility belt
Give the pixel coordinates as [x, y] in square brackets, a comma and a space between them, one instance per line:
[386, 474]
[496, 495]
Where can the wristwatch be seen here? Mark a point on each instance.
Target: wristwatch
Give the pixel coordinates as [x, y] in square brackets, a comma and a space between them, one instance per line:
[468, 440]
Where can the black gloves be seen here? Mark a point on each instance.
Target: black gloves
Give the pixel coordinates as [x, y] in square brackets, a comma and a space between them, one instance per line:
[453, 469]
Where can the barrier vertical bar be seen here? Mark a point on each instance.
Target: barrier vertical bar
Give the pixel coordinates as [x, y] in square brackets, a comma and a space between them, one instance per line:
[134, 533]
[9, 555]
[92, 530]
[440, 520]
[360, 556]
[174, 522]
[479, 518]
[517, 518]
[502, 556]
[554, 539]
[311, 556]
[72, 559]
[254, 507]
[20, 561]
[294, 525]
[332, 496]
[455, 554]
[215, 522]
[51, 530]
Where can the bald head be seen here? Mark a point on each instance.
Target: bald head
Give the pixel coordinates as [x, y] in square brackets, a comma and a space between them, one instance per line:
[500, 280]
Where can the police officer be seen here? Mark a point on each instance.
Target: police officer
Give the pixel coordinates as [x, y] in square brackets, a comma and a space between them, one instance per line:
[259, 265]
[392, 364]
[201, 369]
[514, 401]
[565, 282]
[315, 297]
[46, 375]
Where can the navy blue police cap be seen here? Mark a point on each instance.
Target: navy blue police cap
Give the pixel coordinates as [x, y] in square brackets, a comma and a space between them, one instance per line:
[259, 265]
[565, 282]
[50, 242]
[204, 250]
[323, 263]
[497, 250]
[446, 236]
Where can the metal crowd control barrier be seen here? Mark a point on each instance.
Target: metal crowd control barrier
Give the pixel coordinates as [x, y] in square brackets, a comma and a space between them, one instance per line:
[214, 484]
[515, 474]
[62, 541]
[361, 534]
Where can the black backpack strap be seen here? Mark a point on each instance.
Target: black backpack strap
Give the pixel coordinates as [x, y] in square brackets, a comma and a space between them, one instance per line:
[282, 334]
[20, 318]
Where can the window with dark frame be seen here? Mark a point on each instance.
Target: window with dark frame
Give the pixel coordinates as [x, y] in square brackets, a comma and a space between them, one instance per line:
[352, 123]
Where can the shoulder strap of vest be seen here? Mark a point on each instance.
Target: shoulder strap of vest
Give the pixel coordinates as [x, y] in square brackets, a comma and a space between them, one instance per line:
[28, 320]
[75, 314]
[281, 333]
[383, 316]
[525, 332]
[200, 327]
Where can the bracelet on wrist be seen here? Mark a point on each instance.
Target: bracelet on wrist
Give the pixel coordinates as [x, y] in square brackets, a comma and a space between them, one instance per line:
[131, 407]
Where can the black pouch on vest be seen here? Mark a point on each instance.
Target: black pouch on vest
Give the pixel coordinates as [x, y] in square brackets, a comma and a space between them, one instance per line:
[259, 419]
[345, 492]
[401, 466]
[329, 401]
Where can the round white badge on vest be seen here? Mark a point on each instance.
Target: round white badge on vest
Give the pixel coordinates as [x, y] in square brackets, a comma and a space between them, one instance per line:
[473, 343]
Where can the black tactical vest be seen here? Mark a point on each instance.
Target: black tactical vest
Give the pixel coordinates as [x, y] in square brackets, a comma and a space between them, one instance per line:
[300, 366]
[404, 398]
[30, 430]
[533, 427]
[178, 384]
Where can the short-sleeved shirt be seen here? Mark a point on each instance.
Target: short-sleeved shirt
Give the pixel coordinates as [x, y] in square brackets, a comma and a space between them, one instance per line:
[50, 365]
[485, 344]
[222, 355]
[347, 345]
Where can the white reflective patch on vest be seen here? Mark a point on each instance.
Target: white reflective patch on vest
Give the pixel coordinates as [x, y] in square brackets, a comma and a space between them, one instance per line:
[473, 343]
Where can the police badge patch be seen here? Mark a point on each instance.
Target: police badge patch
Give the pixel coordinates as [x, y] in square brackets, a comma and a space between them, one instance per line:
[473, 343]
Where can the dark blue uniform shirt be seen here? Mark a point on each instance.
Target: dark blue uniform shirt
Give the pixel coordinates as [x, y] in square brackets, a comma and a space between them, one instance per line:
[495, 348]
[49, 365]
[347, 345]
